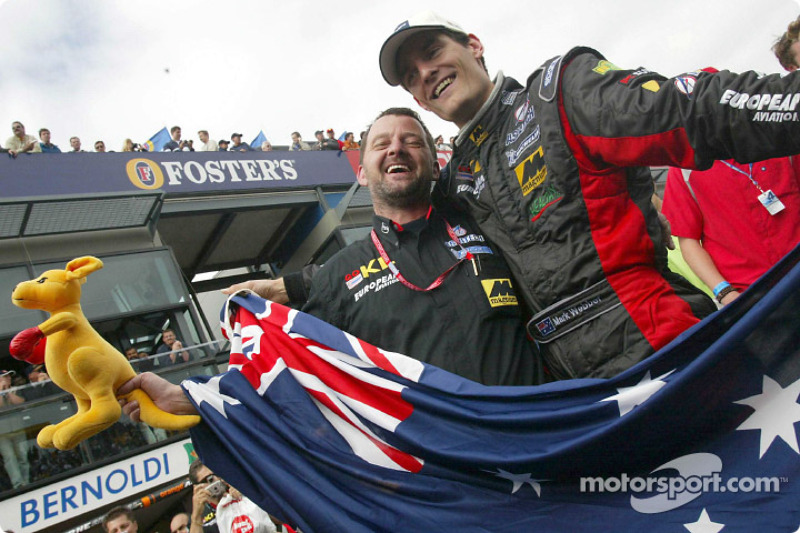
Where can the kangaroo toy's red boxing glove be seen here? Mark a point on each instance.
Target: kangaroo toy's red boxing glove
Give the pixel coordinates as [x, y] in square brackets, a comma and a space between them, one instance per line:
[28, 345]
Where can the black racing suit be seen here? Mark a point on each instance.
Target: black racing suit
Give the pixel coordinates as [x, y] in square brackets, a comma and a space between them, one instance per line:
[470, 325]
[550, 173]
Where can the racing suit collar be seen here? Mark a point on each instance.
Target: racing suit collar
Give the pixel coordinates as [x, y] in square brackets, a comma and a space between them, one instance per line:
[499, 81]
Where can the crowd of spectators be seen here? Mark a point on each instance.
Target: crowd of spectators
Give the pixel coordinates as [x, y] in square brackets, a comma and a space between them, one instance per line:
[20, 142]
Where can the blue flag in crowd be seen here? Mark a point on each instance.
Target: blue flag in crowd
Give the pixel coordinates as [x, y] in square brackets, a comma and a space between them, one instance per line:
[343, 136]
[332, 434]
[260, 138]
[158, 140]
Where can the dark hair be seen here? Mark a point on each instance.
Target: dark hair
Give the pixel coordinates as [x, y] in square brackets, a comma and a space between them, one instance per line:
[297, 133]
[42, 130]
[115, 513]
[463, 40]
[173, 128]
[782, 46]
[402, 112]
[196, 465]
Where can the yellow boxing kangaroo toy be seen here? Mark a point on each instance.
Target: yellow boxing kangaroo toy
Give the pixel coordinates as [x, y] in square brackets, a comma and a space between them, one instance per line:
[79, 360]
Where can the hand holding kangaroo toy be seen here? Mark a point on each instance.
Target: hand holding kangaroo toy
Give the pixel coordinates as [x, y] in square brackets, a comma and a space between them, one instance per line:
[78, 359]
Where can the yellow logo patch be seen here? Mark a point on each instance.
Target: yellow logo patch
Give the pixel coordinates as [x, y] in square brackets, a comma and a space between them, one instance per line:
[373, 267]
[651, 85]
[604, 66]
[478, 135]
[532, 172]
[499, 292]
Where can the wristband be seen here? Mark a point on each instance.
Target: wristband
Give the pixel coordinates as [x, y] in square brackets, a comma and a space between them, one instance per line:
[720, 287]
[724, 292]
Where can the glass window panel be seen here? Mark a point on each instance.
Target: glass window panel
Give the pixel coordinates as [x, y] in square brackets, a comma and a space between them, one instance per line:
[14, 319]
[129, 283]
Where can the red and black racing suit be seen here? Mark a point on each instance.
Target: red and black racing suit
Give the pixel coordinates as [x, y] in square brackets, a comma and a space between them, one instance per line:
[553, 174]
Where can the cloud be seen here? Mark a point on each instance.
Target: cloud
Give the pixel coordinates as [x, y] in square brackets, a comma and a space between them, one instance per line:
[96, 68]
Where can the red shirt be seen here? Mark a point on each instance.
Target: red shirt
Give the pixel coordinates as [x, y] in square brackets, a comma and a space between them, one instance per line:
[737, 231]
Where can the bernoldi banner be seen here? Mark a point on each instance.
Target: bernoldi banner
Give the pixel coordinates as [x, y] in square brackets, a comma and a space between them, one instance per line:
[31, 175]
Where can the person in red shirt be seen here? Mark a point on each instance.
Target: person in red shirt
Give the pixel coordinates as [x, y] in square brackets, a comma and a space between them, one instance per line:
[728, 231]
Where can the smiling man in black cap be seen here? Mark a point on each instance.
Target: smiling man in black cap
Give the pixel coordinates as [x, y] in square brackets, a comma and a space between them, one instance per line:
[238, 145]
[554, 173]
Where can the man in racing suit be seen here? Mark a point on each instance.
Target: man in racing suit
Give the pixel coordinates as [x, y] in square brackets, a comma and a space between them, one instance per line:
[549, 170]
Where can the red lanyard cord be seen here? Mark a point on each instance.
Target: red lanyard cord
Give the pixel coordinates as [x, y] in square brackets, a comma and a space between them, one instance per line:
[438, 281]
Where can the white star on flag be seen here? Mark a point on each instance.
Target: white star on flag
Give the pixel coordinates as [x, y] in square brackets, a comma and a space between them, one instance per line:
[210, 394]
[629, 397]
[519, 480]
[704, 525]
[776, 411]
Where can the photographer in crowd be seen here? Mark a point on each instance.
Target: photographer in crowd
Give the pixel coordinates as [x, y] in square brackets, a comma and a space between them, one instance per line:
[216, 506]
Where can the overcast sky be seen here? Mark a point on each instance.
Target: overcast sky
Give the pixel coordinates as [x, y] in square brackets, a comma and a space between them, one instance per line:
[103, 69]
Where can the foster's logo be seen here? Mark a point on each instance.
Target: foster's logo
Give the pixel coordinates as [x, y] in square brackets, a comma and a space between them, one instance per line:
[145, 174]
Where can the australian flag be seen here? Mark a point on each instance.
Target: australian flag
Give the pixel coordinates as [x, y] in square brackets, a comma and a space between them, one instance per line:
[334, 435]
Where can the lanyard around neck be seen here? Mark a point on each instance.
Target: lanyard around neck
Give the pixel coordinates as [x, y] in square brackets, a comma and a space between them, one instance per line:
[748, 175]
[438, 281]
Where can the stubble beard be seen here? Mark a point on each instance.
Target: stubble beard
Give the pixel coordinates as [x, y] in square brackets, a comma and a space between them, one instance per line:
[413, 195]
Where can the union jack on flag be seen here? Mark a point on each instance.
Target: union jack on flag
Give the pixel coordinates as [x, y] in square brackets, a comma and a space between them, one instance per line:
[333, 434]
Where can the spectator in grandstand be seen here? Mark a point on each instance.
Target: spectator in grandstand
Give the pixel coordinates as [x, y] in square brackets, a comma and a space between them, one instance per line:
[13, 442]
[266, 146]
[223, 145]
[75, 143]
[320, 140]
[206, 143]
[332, 143]
[440, 143]
[40, 383]
[46, 146]
[129, 146]
[20, 142]
[139, 360]
[452, 142]
[180, 523]
[349, 142]
[176, 144]
[237, 145]
[99, 147]
[120, 520]
[8, 396]
[297, 143]
[172, 346]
